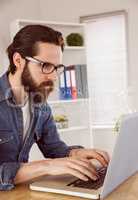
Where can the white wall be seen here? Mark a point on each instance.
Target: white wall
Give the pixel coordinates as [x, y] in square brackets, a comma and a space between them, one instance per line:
[70, 11]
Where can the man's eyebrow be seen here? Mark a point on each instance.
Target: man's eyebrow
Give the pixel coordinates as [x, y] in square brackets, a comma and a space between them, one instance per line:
[47, 62]
[43, 61]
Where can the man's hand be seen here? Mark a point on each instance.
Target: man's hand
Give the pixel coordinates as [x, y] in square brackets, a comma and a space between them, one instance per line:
[77, 167]
[78, 164]
[87, 154]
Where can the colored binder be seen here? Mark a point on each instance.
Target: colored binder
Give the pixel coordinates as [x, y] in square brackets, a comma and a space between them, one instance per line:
[83, 70]
[62, 91]
[81, 81]
[78, 81]
[73, 83]
[68, 94]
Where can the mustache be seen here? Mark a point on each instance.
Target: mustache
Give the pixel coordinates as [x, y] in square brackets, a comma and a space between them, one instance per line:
[46, 86]
[48, 83]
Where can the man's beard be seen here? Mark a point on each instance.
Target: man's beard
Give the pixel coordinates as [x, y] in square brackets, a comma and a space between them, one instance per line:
[38, 93]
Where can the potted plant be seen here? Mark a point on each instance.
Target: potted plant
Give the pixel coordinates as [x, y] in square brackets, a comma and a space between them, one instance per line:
[117, 126]
[61, 121]
[74, 39]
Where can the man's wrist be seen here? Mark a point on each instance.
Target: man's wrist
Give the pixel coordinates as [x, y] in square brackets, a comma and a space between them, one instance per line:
[73, 150]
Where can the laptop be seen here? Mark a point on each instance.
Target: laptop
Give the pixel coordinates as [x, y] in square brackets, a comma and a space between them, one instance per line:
[123, 164]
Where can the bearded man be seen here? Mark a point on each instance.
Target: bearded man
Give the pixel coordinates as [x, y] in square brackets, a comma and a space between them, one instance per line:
[35, 61]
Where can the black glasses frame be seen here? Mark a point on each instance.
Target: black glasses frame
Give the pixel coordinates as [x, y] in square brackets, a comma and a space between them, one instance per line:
[45, 64]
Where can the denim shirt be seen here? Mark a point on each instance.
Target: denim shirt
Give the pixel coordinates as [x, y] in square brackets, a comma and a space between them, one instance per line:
[42, 130]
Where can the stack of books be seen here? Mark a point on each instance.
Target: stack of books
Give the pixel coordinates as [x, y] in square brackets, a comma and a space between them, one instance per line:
[73, 83]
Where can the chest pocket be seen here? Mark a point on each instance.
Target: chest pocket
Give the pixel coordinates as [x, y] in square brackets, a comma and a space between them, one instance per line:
[8, 146]
[5, 138]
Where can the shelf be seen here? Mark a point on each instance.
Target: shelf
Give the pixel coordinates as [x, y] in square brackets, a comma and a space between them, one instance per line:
[69, 101]
[74, 48]
[54, 23]
[75, 128]
[101, 127]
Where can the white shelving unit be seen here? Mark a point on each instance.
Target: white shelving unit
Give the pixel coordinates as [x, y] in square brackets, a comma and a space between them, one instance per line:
[77, 111]
[74, 48]
[77, 128]
[81, 130]
[102, 127]
[68, 101]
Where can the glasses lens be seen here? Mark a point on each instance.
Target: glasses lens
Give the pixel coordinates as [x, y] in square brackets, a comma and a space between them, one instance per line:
[48, 68]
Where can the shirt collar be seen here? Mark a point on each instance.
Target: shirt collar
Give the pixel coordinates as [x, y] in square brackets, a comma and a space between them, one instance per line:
[5, 88]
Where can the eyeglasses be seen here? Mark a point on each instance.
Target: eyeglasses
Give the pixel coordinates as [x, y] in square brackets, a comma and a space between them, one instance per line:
[47, 68]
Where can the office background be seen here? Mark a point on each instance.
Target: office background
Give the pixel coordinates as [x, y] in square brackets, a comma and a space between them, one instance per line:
[70, 11]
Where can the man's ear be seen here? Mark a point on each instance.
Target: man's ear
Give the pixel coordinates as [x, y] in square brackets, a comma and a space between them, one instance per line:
[18, 61]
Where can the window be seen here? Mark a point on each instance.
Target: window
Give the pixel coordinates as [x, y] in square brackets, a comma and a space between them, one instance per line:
[105, 37]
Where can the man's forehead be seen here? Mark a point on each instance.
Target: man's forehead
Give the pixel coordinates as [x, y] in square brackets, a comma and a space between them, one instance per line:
[49, 47]
[49, 52]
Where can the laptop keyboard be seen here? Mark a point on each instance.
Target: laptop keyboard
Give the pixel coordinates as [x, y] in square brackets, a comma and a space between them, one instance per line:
[91, 184]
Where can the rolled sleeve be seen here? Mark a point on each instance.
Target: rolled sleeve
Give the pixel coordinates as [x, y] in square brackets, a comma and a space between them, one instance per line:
[73, 147]
[8, 172]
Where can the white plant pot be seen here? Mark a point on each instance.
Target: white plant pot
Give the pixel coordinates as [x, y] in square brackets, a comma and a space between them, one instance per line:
[61, 125]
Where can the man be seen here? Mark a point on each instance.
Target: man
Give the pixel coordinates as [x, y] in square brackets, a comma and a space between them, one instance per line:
[35, 57]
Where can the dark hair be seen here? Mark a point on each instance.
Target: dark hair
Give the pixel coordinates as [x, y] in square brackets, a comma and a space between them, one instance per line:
[25, 42]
